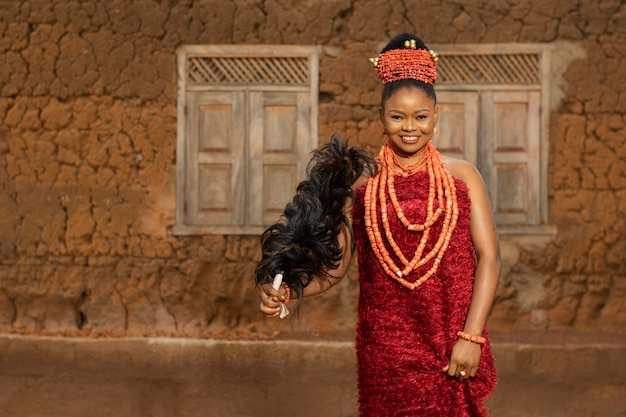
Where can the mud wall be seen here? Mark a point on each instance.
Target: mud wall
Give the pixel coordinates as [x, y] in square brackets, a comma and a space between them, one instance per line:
[87, 161]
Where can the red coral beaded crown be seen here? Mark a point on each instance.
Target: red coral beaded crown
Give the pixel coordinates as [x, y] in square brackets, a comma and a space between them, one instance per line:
[410, 62]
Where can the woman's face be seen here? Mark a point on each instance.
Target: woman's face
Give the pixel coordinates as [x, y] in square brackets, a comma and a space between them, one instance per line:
[409, 117]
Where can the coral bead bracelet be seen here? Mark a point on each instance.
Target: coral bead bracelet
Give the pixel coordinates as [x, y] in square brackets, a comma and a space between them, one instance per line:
[471, 338]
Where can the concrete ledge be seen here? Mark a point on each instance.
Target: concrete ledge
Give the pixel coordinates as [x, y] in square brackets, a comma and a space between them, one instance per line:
[68, 377]
[140, 377]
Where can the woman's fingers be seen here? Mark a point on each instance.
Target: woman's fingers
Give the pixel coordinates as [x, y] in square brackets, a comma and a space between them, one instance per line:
[464, 360]
[269, 310]
[270, 300]
[460, 370]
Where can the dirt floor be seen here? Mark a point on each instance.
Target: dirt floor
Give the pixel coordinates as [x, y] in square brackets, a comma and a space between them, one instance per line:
[554, 375]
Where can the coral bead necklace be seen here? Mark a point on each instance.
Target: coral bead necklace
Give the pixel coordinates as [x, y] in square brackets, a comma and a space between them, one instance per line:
[441, 200]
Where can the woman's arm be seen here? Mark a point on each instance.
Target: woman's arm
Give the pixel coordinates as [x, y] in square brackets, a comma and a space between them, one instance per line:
[319, 284]
[466, 354]
[314, 234]
[486, 244]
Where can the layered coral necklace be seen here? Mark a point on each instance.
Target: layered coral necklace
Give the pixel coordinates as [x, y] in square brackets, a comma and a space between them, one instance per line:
[441, 200]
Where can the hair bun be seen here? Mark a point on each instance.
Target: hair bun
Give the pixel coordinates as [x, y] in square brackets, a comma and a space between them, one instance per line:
[399, 42]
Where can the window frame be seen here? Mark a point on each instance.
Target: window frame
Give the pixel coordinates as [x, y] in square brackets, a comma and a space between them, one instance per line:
[545, 52]
[182, 225]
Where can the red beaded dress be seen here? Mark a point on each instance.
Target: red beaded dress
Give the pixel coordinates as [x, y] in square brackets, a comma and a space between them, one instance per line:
[405, 337]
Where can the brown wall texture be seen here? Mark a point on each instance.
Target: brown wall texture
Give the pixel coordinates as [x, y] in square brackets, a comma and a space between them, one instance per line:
[87, 161]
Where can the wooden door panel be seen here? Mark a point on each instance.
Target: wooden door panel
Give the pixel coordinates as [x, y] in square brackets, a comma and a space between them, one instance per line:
[214, 181]
[214, 127]
[512, 189]
[279, 187]
[280, 124]
[510, 125]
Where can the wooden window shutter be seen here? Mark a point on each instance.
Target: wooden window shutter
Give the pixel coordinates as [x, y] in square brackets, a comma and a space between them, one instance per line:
[458, 124]
[510, 137]
[279, 151]
[215, 156]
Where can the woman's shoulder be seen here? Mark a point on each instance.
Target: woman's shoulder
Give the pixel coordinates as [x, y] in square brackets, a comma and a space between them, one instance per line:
[462, 169]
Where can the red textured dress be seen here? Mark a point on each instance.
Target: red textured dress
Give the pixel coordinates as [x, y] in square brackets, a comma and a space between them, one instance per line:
[405, 337]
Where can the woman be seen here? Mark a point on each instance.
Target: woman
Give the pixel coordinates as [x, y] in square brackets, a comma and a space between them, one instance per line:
[427, 250]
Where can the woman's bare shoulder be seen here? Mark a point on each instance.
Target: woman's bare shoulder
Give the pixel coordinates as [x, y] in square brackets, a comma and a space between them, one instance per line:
[461, 169]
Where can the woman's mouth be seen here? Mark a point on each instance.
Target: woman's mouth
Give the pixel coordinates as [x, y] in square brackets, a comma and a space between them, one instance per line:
[409, 139]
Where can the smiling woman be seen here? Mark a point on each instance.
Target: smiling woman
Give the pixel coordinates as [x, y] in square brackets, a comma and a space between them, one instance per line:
[428, 270]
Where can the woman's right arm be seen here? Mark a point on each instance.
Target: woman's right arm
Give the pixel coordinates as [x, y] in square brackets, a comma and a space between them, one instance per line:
[319, 284]
[334, 173]
[323, 283]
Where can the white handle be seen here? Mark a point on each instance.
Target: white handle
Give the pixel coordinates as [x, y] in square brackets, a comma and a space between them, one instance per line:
[278, 280]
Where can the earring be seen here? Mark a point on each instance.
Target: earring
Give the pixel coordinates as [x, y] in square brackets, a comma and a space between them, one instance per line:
[436, 130]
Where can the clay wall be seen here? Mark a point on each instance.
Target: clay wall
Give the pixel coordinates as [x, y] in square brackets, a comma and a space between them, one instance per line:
[87, 161]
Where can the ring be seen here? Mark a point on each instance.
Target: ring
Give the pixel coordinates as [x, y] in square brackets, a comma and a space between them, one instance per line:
[270, 297]
[460, 373]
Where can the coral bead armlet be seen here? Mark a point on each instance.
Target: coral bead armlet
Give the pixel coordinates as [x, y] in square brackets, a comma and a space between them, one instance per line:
[288, 296]
[471, 338]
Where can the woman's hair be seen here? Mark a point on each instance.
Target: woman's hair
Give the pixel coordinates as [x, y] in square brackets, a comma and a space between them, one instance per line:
[389, 89]
[304, 244]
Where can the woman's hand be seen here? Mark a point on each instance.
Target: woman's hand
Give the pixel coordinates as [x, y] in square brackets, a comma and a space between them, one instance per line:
[271, 299]
[464, 359]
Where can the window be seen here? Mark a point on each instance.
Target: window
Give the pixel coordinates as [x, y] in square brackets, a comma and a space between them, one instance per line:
[247, 123]
[493, 101]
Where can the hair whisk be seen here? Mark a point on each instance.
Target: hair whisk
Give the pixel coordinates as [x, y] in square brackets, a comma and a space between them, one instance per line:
[304, 243]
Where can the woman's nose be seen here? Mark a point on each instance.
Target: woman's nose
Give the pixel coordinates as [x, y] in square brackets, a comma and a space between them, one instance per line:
[409, 125]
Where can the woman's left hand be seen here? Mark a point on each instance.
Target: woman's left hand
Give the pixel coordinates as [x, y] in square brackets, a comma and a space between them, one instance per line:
[464, 359]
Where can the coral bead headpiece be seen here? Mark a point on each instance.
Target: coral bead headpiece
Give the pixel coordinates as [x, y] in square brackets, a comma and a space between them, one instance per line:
[400, 64]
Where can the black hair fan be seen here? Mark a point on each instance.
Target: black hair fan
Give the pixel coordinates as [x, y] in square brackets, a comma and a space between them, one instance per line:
[304, 244]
